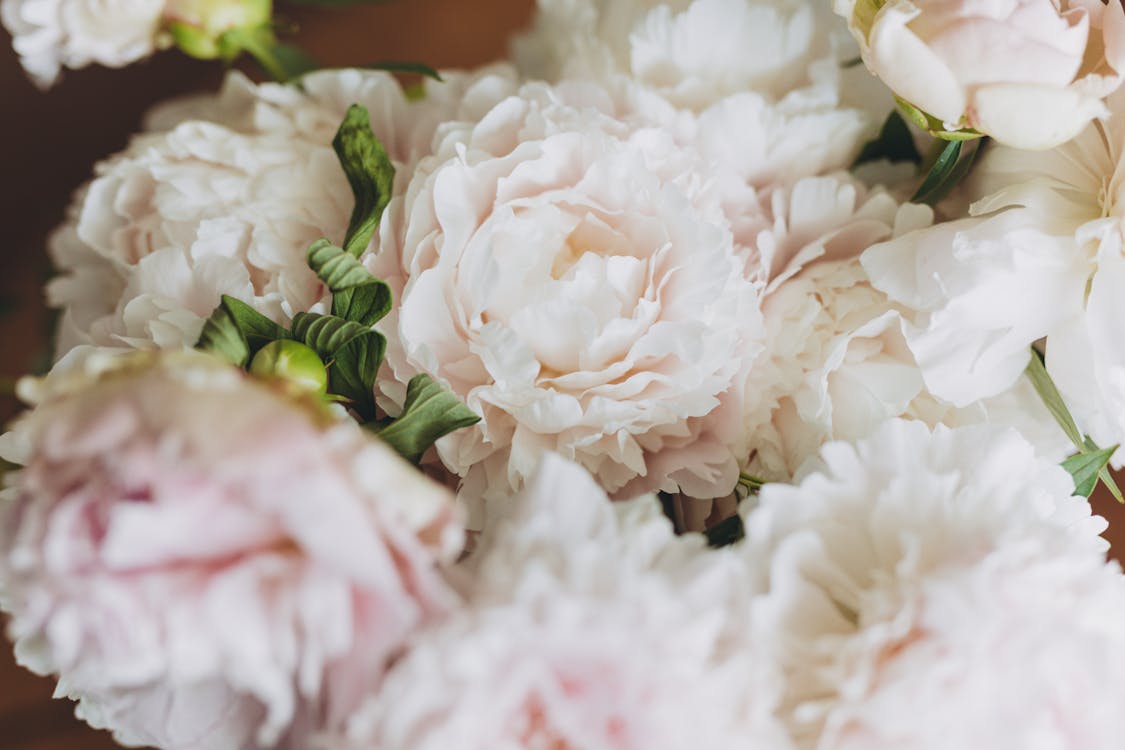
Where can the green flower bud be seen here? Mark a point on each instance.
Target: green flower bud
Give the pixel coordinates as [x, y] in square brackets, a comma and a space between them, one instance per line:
[210, 29]
[292, 362]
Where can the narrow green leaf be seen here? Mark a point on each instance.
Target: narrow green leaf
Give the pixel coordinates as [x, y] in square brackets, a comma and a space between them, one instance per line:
[235, 331]
[1052, 399]
[917, 116]
[326, 334]
[895, 142]
[352, 373]
[369, 172]
[726, 532]
[939, 179]
[1085, 468]
[430, 413]
[398, 66]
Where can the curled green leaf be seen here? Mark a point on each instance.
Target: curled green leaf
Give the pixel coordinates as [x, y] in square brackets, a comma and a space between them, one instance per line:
[370, 174]
[430, 413]
[235, 331]
[356, 294]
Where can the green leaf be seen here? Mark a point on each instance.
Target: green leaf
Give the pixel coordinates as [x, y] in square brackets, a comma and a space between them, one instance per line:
[894, 143]
[917, 116]
[356, 294]
[352, 373]
[235, 331]
[401, 66]
[726, 532]
[369, 172]
[940, 179]
[326, 334]
[1085, 468]
[430, 413]
[1052, 399]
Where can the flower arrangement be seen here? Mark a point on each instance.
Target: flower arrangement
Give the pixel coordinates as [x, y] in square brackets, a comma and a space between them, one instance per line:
[707, 374]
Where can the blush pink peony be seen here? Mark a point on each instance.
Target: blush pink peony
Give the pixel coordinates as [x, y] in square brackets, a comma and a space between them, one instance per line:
[205, 564]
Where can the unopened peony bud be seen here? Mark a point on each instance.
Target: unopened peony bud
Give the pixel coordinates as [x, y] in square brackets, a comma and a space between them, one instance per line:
[204, 28]
[292, 362]
[1030, 73]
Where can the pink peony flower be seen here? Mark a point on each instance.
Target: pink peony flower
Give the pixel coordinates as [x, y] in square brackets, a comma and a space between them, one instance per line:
[206, 564]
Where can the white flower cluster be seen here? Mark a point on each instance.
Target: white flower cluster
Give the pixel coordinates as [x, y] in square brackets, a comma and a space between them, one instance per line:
[640, 261]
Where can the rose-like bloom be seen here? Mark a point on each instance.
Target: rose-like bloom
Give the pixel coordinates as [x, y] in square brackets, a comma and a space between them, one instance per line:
[589, 625]
[838, 365]
[227, 203]
[205, 563]
[1030, 73]
[938, 589]
[574, 280]
[51, 34]
[762, 76]
[1042, 258]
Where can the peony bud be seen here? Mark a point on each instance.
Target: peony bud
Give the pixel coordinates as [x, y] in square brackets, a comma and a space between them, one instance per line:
[1030, 73]
[292, 362]
[208, 29]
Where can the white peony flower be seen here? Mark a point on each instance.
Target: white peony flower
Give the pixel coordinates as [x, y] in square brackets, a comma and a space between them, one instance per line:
[1042, 258]
[1031, 73]
[228, 204]
[758, 82]
[589, 625]
[939, 589]
[574, 279]
[51, 34]
[205, 563]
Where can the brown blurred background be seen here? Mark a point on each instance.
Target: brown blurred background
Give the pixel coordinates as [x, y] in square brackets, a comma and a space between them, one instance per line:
[50, 142]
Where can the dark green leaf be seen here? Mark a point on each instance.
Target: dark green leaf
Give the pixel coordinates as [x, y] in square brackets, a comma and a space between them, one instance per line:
[430, 413]
[352, 373]
[356, 294]
[370, 173]
[235, 331]
[725, 532]
[395, 66]
[326, 334]
[895, 143]
[1085, 468]
[939, 180]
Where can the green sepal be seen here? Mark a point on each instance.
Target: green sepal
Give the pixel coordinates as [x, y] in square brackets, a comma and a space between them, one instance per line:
[356, 294]
[430, 413]
[1085, 468]
[370, 174]
[726, 532]
[235, 331]
[895, 143]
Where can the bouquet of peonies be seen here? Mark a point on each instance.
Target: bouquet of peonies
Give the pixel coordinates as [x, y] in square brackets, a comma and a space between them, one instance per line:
[674, 384]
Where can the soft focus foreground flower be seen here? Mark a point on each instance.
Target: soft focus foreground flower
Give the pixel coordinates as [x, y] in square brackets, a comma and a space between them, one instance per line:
[1042, 258]
[939, 589]
[227, 202]
[206, 564]
[1030, 73]
[574, 279]
[589, 626]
